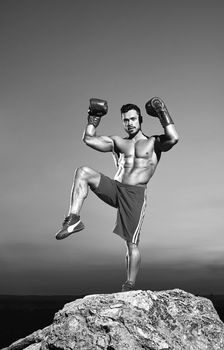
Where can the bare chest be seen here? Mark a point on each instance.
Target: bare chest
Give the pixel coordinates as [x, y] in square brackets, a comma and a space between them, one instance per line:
[143, 149]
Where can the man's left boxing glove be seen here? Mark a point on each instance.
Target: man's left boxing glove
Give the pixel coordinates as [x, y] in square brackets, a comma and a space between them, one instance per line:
[157, 108]
[97, 109]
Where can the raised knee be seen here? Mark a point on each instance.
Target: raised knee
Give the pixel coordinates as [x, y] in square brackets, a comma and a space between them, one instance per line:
[82, 171]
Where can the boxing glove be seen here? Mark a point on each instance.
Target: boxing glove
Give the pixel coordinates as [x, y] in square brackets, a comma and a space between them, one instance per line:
[157, 108]
[97, 109]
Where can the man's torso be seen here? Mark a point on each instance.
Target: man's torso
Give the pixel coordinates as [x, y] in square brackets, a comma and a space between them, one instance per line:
[136, 160]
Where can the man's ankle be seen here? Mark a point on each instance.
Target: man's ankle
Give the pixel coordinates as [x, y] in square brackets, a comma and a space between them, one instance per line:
[74, 215]
[132, 283]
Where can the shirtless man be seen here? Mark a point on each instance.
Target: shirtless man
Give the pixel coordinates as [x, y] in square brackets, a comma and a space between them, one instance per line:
[136, 157]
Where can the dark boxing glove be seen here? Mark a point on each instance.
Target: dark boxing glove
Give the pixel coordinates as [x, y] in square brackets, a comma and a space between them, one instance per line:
[97, 109]
[157, 108]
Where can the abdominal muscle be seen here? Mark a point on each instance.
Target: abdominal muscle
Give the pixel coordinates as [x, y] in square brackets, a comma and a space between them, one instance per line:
[137, 174]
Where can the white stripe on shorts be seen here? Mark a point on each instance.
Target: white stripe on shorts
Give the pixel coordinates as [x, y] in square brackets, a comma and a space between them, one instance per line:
[138, 228]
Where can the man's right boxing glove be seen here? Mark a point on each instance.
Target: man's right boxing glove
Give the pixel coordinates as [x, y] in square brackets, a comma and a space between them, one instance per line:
[97, 109]
[157, 108]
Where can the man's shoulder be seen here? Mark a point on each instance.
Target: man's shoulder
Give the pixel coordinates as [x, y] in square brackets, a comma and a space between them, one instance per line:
[114, 137]
[151, 137]
[120, 143]
[117, 139]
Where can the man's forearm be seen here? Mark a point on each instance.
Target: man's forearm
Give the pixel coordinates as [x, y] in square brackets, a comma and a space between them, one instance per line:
[97, 109]
[90, 131]
[171, 133]
[169, 138]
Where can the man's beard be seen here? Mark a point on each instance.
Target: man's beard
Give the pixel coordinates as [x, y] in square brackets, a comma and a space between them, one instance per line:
[133, 132]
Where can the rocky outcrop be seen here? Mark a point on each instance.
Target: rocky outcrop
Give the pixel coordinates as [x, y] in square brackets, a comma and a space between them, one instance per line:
[31, 342]
[164, 320]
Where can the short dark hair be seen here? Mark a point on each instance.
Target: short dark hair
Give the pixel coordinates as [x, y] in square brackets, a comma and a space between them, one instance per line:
[128, 107]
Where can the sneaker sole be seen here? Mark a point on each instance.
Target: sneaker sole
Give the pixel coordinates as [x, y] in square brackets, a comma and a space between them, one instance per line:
[127, 288]
[60, 236]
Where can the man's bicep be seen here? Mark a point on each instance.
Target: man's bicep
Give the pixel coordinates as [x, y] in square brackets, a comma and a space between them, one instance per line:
[100, 143]
[167, 140]
[162, 143]
[106, 143]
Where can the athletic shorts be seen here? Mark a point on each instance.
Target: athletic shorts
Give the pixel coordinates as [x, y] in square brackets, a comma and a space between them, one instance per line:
[130, 202]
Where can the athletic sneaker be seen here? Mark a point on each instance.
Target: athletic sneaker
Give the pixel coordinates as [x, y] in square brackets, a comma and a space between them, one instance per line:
[127, 286]
[71, 224]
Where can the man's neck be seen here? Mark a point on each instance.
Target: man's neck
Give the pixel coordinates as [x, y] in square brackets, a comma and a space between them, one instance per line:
[136, 136]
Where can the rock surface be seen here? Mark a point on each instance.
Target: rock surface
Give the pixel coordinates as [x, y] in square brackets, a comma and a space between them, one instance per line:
[164, 320]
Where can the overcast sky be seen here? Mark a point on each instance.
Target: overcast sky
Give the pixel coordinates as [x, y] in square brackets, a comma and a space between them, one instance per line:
[55, 56]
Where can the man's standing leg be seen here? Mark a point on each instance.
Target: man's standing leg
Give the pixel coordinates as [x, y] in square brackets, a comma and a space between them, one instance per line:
[84, 177]
[133, 260]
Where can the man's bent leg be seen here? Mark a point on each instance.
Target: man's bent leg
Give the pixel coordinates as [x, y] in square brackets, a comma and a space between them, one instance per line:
[133, 260]
[84, 177]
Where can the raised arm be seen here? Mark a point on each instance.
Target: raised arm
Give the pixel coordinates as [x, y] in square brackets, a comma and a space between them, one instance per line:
[156, 108]
[99, 143]
[167, 140]
[97, 109]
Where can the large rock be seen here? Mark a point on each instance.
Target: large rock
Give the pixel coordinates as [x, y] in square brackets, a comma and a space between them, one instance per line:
[165, 320]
